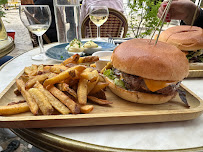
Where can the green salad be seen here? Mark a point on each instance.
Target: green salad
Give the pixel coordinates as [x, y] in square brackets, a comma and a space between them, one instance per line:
[116, 79]
[195, 56]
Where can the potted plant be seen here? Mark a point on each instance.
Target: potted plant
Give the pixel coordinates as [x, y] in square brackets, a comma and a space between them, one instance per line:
[3, 34]
[143, 17]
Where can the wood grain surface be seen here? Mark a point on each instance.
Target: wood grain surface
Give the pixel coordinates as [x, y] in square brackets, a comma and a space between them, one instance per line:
[195, 70]
[120, 112]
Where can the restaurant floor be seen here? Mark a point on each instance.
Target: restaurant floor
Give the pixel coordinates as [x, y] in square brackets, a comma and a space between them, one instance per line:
[22, 44]
[9, 140]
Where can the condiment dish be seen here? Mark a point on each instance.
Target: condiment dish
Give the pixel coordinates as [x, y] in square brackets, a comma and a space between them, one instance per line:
[104, 58]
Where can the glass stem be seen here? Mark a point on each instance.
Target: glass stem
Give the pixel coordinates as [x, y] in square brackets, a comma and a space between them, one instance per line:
[98, 31]
[41, 44]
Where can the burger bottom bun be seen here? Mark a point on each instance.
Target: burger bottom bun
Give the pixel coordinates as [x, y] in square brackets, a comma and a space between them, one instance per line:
[138, 97]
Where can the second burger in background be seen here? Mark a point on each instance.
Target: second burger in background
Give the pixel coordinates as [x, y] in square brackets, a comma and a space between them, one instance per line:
[143, 72]
[189, 39]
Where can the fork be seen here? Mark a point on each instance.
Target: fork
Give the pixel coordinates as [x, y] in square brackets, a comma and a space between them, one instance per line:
[110, 40]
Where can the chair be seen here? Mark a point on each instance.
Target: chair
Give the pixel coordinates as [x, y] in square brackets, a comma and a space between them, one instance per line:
[115, 26]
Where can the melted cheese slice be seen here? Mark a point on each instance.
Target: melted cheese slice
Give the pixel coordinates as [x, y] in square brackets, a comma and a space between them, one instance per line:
[154, 85]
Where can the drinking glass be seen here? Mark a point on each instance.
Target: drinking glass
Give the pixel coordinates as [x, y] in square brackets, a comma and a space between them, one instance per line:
[98, 15]
[3, 33]
[67, 17]
[37, 19]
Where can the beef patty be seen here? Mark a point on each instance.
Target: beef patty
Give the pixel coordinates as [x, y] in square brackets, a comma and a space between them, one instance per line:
[136, 83]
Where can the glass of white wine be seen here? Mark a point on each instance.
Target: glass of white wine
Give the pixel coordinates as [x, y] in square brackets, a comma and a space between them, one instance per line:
[37, 19]
[3, 33]
[98, 15]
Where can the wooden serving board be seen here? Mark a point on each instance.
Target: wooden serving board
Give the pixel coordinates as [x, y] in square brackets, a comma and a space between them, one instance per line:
[120, 112]
[196, 70]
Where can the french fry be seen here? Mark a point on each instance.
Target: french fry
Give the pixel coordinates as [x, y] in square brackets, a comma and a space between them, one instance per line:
[91, 85]
[54, 102]
[65, 87]
[51, 75]
[91, 76]
[101, 78]
[12, 103]
[47, 69]
[39, 78]
[88, 70]
[108, 66]
[93, 65]
[99, 101]
[74, 108]
[86, 108]
[88, 59]
[14, 109]
[99, 86]
[73, 59]
[30, 101]
[42, 101]
[72, 82]
[17, 92]
[25, 78]
[40, 69]
[31, 70]
[63, 75]
[82, 91]
[100, 95]
[58, 68]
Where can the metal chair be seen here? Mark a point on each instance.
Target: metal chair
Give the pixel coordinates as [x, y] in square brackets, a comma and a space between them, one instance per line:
[115, 26]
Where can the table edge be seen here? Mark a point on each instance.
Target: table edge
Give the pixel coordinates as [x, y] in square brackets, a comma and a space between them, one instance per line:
[40, 138]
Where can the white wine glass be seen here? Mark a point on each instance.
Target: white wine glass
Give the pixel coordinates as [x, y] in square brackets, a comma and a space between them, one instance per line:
[37, 19]
[98, 15]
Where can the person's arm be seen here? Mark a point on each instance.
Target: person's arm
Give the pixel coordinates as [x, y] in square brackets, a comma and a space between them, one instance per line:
[199, 20]
[182, 10]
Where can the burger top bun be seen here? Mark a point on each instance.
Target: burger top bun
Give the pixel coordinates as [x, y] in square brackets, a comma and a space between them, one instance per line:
[184, 37]
[157, 62]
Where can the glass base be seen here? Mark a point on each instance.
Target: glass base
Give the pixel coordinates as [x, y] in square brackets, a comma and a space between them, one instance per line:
[39, 57]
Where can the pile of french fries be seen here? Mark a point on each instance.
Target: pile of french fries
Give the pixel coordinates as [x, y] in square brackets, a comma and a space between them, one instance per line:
[64, 88]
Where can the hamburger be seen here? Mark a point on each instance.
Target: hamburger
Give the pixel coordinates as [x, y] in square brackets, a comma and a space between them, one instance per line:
[143, 72]
[189, 39]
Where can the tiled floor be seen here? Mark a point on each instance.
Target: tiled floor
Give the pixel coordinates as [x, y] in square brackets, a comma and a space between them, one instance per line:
[6, 136]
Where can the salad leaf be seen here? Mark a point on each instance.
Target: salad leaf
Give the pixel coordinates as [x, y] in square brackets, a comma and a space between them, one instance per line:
[195, 56]
[119, 83]
[110, 74]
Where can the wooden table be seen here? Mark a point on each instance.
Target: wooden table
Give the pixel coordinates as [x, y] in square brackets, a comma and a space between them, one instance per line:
[6, 46]
[180, 136]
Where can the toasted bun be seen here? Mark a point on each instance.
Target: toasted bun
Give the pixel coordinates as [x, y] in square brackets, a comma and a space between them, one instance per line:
[184, 37]
[138, 97]
[157, 62]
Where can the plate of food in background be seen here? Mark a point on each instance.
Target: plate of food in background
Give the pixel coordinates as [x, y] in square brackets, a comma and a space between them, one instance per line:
[63, 51]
